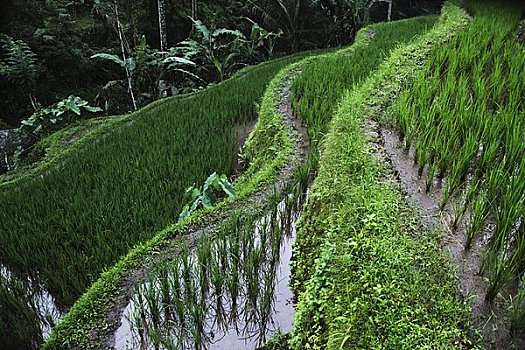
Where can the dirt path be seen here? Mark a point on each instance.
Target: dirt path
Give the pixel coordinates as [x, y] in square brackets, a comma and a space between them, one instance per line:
[489, 318]
[105, 338]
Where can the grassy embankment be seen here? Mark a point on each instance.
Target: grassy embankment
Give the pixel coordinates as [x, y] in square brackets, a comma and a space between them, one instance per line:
[74, 329]
[367, 275]
[465, 119]
[117, 186]
[268, 149]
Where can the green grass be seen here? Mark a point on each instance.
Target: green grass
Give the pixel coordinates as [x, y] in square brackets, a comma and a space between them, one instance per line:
[74, 216]
[369, 276]
[464, 117]
[317, 91]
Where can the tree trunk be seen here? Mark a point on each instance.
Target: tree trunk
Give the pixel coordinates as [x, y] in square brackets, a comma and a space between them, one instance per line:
[124, 58]
[162, 25]
[163, 34]
[194, 9]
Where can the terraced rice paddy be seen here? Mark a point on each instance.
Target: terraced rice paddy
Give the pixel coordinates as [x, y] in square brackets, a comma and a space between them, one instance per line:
[367, 273]
[464, 119]
[366, 270]
[63, 228]
[317, 92]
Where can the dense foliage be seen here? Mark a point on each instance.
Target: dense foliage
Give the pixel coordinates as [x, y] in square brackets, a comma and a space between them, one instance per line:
[47, 45]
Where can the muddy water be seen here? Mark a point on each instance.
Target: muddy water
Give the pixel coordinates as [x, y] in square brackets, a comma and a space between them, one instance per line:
[245, 321]
[41, 302]
[488, 317]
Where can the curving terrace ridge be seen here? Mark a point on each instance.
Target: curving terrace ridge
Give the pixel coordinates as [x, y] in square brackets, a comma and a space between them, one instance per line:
[94, 319]
[368, 274]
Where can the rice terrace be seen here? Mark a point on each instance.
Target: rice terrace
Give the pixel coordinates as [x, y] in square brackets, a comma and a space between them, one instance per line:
[273, 175]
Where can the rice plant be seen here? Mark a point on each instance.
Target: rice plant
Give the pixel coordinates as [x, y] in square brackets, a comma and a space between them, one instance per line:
[86, 212]
[464, 117]
[172, 309]
[318, 89]
[26, 313]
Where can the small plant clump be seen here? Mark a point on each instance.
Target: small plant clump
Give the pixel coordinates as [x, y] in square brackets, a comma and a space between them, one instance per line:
[42, 122]
[207, 196]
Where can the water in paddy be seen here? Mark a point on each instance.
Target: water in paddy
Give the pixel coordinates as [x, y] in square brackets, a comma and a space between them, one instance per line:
[229, 292]
[27, 311]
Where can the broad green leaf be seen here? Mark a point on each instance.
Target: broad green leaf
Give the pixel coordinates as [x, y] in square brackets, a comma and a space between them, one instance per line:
[38, 130]
[178, 60]
[206, 201]
[93, 109]
[75, 109]
[203, 30]
[195, 194]
[28, 122]
[224, 31]
[185, 212]
[188, 73]
[209, 181]
[109, 57]
[218, 65]
[227, 187]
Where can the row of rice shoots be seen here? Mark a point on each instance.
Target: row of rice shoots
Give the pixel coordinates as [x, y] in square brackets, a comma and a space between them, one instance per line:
[223, 285]
[465, 120]
[317, 91]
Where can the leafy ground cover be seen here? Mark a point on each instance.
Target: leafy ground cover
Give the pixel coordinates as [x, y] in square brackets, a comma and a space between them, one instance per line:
[367, 274]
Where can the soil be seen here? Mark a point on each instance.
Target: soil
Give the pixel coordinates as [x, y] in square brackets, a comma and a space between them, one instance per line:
[243, 131]
[487, 317]
[105, 338]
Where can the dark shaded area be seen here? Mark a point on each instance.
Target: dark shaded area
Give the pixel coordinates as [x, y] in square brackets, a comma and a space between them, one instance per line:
[65, 34]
